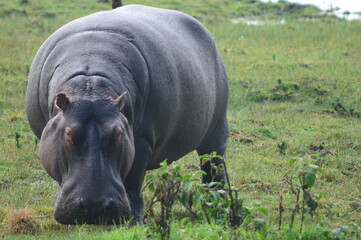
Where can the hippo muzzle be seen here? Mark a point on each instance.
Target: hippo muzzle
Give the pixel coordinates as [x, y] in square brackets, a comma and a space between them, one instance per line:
[107, 208]
[86, 199]
[87, 211]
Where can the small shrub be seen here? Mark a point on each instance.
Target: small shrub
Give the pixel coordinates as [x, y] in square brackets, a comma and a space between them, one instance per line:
[256, 217]
[281, 92]
[340, 108]
[166, 183]
[214, 202]
[300, 178]
[282, 146]
[24, 2]
[17, 139]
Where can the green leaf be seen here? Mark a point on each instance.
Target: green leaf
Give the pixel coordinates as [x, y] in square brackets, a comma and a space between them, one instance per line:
[164, 164]
[248, 219]
[310, 178]
[205, 160]
[205, 157]
[187, 186]
[263, 210]
[257, 203]
[313, 166]
[214, 184]
[197, 198]
[151, 187]
[216, 195]
[184, 220]
[200, 172]
[216, 156]
[149, 177]
[165, 176]
[184, 198]
[177, 168]
[250, 209]
[293, 160]
[185, 178]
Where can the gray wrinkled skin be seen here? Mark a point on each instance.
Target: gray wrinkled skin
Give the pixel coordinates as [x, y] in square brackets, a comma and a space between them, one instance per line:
[115, 93]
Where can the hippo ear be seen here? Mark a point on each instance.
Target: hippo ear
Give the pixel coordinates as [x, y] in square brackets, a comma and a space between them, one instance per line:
[120, 102]
[62, 102]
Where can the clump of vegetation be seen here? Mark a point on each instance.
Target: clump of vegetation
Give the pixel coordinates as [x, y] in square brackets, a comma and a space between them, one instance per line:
[216, 201]
[282, 146]
[165, 184]
[300, 179]
[210, 201]
[342, 110]
[207, 203]
[281, 92]
[23, 221]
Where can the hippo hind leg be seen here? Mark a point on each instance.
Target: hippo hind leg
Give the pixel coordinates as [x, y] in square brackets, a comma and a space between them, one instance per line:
[215, 142]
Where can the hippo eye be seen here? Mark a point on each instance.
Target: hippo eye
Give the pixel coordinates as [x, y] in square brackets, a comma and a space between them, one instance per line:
[114, 136]
[71, 136]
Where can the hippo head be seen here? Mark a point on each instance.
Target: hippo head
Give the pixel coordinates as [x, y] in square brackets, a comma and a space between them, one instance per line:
[88, 148]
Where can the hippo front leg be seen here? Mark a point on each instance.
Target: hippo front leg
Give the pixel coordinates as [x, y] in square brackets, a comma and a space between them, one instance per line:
[134, 180]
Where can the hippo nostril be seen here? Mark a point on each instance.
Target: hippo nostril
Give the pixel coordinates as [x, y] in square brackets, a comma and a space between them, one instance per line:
[84, 204]
[81, 204]
[87, 205]
[108, 204]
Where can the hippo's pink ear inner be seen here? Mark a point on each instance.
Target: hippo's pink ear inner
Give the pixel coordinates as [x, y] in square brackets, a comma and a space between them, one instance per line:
[120, 102]
[62, 102]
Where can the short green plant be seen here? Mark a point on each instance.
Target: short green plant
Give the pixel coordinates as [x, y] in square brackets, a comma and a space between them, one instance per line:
[342, 110]
[213, 203]
[168, 184]
[281, 92]
[221, 201]
[282, 146]
[300, 178]
[256, 217]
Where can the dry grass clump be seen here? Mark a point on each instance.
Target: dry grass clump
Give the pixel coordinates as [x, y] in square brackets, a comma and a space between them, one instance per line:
[23, 222]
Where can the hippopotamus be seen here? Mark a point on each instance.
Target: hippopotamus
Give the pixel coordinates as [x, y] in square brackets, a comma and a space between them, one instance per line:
[112, 95]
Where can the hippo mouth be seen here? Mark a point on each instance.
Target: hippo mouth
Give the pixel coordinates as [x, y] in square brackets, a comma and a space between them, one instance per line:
[106, 212]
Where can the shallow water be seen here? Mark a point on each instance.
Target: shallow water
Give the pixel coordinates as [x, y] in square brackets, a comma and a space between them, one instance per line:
[339, 7]
[253, 21]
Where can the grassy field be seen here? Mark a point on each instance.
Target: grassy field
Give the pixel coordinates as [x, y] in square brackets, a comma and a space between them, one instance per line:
[295, 92]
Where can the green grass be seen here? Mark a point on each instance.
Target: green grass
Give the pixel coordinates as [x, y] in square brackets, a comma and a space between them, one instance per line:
[286, 83]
